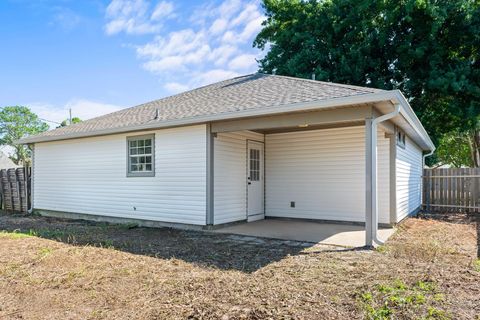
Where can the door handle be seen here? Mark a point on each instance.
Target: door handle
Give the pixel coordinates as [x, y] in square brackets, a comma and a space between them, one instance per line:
[249, 182]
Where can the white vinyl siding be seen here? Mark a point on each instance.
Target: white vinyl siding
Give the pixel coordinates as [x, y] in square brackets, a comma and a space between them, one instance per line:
[383, 163]
[230, 183]
[409, 176]
[89, 176]
[323, 171]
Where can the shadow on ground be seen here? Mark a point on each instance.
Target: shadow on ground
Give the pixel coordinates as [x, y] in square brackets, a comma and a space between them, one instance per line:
[223, 251]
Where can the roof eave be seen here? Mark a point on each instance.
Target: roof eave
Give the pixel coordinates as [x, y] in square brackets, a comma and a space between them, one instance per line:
[413, 120]
[394, 96]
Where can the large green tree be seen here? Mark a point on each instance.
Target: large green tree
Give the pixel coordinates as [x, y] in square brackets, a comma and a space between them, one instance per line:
[17, 122]
[429, 49]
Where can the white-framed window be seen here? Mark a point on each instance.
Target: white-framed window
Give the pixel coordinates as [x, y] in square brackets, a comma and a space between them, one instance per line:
[141, 156]
[254, 165]
[400, 137]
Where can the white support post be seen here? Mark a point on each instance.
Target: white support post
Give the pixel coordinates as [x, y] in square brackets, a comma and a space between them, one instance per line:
[210, 176]
[371, 213]
[374, 183]
[368, 184]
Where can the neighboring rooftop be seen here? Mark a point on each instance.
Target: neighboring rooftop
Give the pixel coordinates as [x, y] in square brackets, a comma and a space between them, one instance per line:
[6, 162]
[250, 92]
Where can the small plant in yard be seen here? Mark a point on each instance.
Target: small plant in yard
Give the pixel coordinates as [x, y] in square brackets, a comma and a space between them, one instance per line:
[46, 233]
[108, 244]
[382, 249]
[476, 265]
[43, 252]
[397, 299]
[434, 313]
[14, 235]
[127, 226]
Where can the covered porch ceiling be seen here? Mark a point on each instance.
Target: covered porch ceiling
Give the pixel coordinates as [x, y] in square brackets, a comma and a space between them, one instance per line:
[333, 117]
[347, 116]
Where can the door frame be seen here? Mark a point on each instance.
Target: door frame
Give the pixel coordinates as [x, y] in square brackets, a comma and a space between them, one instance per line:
[262, 174]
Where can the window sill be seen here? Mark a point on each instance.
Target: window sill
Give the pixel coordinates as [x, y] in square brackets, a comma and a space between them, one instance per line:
[140, 174]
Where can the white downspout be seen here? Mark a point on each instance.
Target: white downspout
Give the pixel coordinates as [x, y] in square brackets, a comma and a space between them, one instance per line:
[427, 155]
[374, 176]
[422, 201]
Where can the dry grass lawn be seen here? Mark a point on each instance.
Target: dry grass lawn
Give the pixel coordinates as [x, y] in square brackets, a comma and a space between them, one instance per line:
[58, 269]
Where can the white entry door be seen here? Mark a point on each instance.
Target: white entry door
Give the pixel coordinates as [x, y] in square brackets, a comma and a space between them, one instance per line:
[255, 181]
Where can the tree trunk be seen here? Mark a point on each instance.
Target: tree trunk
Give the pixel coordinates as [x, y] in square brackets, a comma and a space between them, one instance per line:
[474, 143]
[476, 139]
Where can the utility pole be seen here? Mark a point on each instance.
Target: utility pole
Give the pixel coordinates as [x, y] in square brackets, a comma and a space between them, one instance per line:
[70, 116]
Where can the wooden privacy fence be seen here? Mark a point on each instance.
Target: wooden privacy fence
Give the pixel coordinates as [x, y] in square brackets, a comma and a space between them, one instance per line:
[15, 189]
[451, 190]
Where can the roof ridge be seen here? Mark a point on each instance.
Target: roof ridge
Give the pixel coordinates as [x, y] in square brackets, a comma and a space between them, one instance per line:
[175, 95]
[332, 84]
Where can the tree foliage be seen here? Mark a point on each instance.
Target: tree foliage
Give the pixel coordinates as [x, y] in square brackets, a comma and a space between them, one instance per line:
[17, 122]
[428, 49]
[66, 122]
[454, 149]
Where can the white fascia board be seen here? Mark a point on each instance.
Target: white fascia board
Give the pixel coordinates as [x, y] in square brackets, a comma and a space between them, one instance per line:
[413, 120]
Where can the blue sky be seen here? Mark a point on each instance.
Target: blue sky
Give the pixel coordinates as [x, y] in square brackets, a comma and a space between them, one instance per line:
[99, 56]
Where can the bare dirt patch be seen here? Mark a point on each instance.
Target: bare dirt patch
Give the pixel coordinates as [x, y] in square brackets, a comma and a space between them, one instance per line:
[61, 269]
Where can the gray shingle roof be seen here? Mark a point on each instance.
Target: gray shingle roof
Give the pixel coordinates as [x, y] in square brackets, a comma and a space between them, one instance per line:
[255, 91]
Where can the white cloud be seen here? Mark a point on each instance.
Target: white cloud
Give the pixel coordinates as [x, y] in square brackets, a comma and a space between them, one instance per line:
[249, 13]
[175, 87]
[251, 29]
[230, 7]
[136, 16]
[222, 54]
[218, 26]
[230, 37]
[82, 108]
[213, 76]
[162, 10]
[179, 49]
[177, 42]
[65, 18]
[164, 64]
[243, 62]
[214, 43]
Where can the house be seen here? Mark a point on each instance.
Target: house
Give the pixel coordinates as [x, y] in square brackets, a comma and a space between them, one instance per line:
[6, 162]
[252, 147]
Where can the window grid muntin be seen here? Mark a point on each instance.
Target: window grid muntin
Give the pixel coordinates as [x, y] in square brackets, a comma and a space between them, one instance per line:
[254, 164]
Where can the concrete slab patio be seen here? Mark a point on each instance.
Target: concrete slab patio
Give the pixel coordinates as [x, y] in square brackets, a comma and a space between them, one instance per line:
[310, 231]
